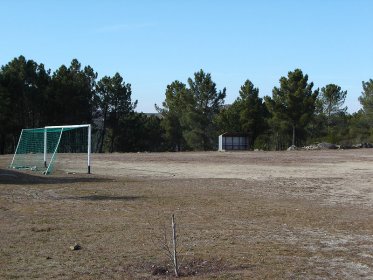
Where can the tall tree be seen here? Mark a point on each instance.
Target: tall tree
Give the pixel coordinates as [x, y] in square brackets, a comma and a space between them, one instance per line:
[332, 98]
[140, 132]
[23, 84]
[228, 119]
[359, 128]
[294, 101]
[199, 119]
[20, 78]
[247, 114]
[120, 105]
[5, 116]
[178, 100]
[366, 100]
[103, 103]
[71, 94]
[253, 111]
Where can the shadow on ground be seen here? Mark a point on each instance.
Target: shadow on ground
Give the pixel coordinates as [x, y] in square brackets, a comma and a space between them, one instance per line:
[8, 176]
[104, 197]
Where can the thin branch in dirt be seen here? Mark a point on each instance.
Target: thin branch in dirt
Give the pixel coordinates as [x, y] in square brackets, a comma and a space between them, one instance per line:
[168, 245]
[176, 269]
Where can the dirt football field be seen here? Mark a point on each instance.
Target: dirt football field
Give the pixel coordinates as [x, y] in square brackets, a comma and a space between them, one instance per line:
[241, 215]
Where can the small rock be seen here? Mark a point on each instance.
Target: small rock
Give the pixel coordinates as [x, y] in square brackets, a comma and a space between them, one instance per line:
[327, 146]
[75, 247]
[310, 147]
[345, 147]
[292, 148]
[366, 145]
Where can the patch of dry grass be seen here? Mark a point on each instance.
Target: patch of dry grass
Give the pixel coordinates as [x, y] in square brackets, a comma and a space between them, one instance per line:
[228, 228]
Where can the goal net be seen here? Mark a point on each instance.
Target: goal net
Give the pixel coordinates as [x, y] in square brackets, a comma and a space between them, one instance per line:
[38, 148]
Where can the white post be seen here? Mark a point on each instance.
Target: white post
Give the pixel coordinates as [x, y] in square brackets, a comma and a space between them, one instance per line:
[174, 253]
[54, 153]
[19, 140]
[89, 139]
[89, 149]
[45, 147]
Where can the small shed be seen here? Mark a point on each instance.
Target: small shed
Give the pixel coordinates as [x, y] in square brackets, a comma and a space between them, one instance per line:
[231, 141]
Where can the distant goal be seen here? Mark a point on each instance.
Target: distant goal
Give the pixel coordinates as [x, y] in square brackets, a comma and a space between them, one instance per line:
[38, 148]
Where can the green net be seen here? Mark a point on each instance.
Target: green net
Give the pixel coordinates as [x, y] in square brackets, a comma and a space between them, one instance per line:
[38, 148]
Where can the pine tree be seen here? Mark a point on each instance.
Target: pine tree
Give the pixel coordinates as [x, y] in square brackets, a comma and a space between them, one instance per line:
[199, 119]
[293, 102]
[178, 101]
[252, 110]
[332, 98]
[366, 99]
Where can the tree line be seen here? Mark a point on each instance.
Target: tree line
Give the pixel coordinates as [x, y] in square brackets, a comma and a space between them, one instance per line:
[191, 117]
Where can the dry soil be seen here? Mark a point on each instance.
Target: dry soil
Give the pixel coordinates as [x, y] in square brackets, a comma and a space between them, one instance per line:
[242, 215]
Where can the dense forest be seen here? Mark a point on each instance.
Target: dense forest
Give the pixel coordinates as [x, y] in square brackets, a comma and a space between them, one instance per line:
[191, 117]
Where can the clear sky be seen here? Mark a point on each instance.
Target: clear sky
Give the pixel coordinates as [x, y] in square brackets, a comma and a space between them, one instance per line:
[152, 43]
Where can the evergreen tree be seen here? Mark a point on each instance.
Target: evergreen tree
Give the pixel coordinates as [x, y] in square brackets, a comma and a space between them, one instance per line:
[139, 132]
[178, 100]
[366, 100]
[120, 106]
[293, 102]
[253, 112]
[200, 132]
[102, 103]
[23, 80]
[228, 119]
[22, 92]
[332, 98]
[359, 128]
[71, 95]
[5, 116]
[247, 114]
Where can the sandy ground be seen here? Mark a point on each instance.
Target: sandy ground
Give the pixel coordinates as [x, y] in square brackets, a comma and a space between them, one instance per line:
[241, 215]
[351, 171]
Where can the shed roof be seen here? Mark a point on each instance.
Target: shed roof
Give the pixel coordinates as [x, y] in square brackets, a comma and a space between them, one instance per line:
[235, 134]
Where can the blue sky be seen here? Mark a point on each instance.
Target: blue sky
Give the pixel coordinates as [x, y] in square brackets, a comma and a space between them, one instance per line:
[152, 43]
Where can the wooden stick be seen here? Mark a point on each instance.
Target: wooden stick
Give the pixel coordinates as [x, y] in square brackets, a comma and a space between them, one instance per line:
[174, 244]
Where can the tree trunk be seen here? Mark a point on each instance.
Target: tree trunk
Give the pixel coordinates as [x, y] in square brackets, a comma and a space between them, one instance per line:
[113, 137]
[277, 142]
[328, 121]
[102, 139]
[112, 142]
[2, 144]
[14, 143]
[293, 141]
[103, 134]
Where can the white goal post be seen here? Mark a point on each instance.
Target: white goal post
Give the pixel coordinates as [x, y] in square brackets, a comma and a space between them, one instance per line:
[37, 147]
[71, 126]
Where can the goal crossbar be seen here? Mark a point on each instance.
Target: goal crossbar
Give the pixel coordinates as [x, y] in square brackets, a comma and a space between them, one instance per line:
[68, 126]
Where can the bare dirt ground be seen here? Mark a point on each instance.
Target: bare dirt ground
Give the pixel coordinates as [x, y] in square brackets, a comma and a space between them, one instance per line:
[244, 215]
